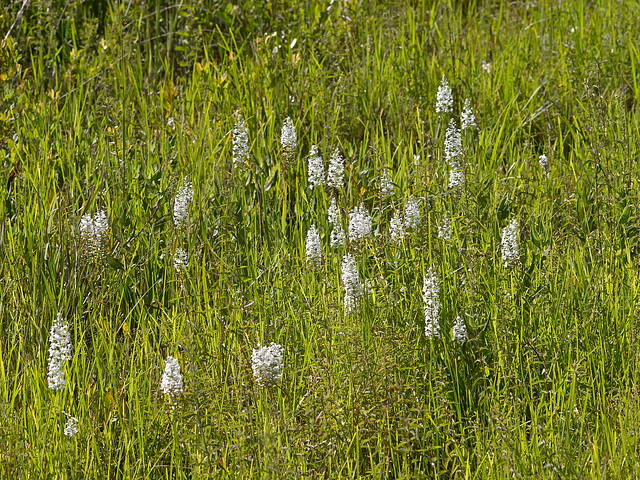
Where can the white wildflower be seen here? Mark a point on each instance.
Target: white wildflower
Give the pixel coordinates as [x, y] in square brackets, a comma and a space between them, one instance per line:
[334, 213]
[288, 139]
[431, 303]
[180, 260]
[452, 143]
[456, 176]
[266, 363]
[359, 224]
[412, 213]
[386, 185]
[71, 429]
[543, 161]
[315, 168]
[396, 227]
[335, 178]
[240, 143]
[351, 283]
[486, 66]
[468, 118]
[171, 383]
[444, 230]
[93, 232]
[510, 249]
[100, 223]
[181, 204]
[459, 331]
[313, 247]
[444, 98]
[337, 236]
[59, 352]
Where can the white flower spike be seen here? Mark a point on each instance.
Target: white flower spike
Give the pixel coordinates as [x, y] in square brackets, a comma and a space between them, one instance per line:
[171, 383]
[59, 353]
[468, 118]
[351, 284]
[444, 230]
[386, 185]
[359, 224]
[240, 143]
[315, 168]
[510, 248]
[93, 233]
[444, 97]
[289, 138]
[335, 178]
[412, 213]
[71, 429]
[459, 331]
[452, 143]
[181, 204]
[396, 227]
[267, 364]
[180, 260]
[313, 248]
[431, 303]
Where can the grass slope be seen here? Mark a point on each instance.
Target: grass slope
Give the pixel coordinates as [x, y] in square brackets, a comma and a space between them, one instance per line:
[113, 108]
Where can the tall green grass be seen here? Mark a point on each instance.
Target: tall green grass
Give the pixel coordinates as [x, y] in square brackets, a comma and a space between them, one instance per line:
[113, 107]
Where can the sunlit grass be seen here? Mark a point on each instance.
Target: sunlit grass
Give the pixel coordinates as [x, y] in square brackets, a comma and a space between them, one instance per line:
[544, 385]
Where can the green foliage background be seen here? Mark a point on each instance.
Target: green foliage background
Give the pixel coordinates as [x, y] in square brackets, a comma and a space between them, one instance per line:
[113, 105]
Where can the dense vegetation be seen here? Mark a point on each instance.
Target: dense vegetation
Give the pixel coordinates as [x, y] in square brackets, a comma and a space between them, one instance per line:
[117, 107]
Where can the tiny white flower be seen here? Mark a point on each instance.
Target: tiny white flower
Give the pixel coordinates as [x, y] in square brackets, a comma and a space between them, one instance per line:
[452, 143]
[486, 66]
[386, 185]
[267, 364]
[240, 142]
[510, 248]
[468, 118]
[456, 176]
[431, 303]
[180, 260]
[313, 247]
[334, 213]
[444, 97]
[171, 383]
[396, 227]
[444, 230]
[315, 168]
[412, 213]
[543, 161]
[359, 224]
[335, 178]
[59, 352]
[100, 223]
[93, 233]
[350, 283]
[337, 236]
[459, 331]
[288, 139]
[71, 429]
[181, 204]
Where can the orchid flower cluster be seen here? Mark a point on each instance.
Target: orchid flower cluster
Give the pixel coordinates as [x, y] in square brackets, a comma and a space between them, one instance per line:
[181, 204]
[93, 235]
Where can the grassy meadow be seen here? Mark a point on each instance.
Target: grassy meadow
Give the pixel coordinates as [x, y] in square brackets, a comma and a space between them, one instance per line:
[115, 106]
